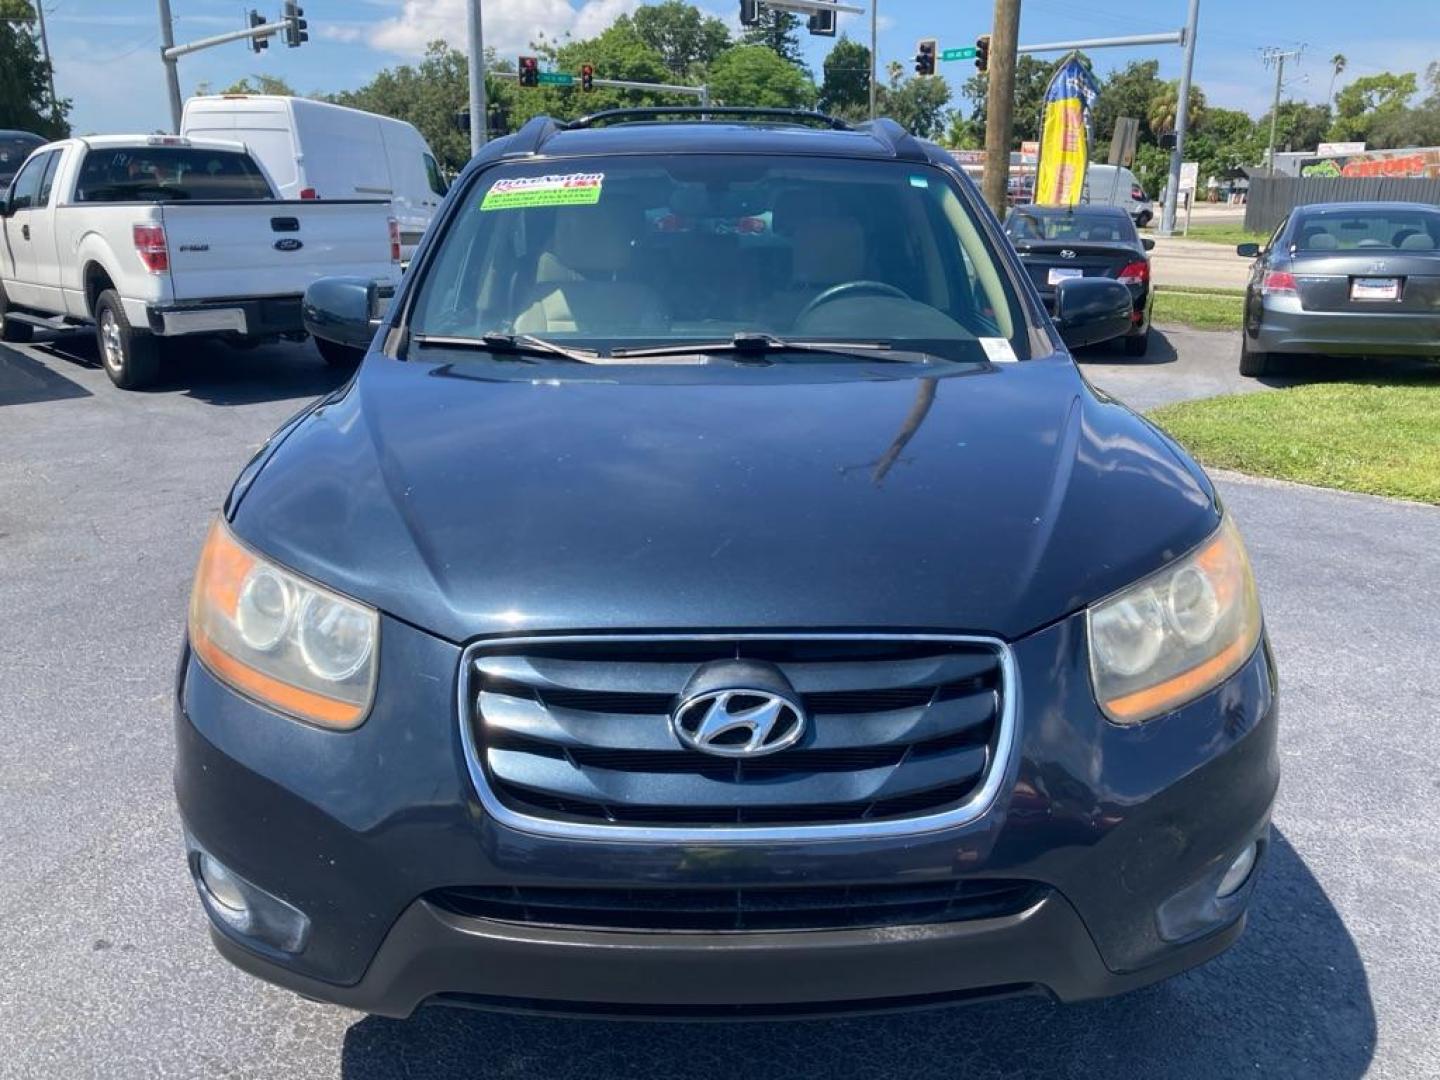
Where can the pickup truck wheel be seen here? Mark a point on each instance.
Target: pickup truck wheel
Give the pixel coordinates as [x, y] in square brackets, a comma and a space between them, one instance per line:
[15, 332]
[344, 357]
[131, 357]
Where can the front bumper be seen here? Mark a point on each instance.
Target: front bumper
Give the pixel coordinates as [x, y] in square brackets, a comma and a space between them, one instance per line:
[261, 317]
[1285, 327]
[356, 829]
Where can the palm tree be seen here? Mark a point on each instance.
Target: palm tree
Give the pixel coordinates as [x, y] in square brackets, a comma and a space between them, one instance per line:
[1163, 106]
[1337, 65]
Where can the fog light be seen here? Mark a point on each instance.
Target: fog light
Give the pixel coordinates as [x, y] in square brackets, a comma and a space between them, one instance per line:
[1238, 873]
[222, 886]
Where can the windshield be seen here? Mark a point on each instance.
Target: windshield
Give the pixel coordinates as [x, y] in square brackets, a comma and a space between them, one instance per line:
[13, 152]
[1072, 225]
[1347, 230]
[150, 173]
[611, 252]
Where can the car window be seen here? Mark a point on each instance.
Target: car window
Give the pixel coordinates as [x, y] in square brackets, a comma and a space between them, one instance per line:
[26, 188]
[164, 173]
[1379, 229]
[433, 175]
[13, 152]
[47, 180]
[1269, 245]
[1079, 225]
[700, 247]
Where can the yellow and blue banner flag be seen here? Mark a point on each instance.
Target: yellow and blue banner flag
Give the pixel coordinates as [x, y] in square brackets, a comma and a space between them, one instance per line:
[1063, 149]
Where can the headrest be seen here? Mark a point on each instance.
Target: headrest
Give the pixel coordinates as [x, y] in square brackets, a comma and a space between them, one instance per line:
[828, 251]
[1418, 242]
[1320, 241]
[592, 239]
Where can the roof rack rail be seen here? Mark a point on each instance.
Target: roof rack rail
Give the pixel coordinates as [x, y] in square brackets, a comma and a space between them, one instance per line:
[705, 112]
[532, 136]
[901, 143]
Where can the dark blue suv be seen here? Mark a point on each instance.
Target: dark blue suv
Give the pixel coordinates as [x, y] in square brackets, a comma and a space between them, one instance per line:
[718, 593]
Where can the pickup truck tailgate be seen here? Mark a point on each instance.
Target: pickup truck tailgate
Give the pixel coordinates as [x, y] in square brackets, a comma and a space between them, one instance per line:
[234, 250]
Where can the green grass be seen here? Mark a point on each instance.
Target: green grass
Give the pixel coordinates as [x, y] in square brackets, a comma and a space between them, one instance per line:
[1223, 232]
[1382, 438]
[1201, 308]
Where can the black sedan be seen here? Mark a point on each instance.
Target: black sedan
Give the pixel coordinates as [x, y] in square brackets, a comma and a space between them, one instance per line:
[1060, 242]
[1346, 279]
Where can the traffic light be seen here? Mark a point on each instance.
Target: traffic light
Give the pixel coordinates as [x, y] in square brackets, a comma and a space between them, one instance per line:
[529, 71]
[587, 77]
[296, 28]
[982, 53]
[822, 24]
[258, 44]
[925, 53]
[749, 12]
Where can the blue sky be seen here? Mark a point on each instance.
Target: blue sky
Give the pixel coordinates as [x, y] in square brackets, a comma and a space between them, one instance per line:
[107, 62]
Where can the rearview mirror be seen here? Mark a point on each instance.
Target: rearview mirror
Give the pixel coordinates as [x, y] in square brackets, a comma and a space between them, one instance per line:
[1147, 243]
[1249, 251]
[346, 310]
[1091, 310]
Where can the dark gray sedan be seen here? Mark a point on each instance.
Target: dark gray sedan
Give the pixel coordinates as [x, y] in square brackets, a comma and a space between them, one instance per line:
[1347, 279]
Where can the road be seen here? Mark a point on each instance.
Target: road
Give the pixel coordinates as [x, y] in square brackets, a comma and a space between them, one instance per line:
[107, 972]
[1178, 262]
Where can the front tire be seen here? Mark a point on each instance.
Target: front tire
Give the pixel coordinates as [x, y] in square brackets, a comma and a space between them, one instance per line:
[17, 333]
[340, 357]
[130, 357]
[1255, 363]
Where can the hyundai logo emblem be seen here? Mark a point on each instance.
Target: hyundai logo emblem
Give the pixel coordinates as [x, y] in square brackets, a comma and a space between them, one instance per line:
[738, 722]
[288, 244]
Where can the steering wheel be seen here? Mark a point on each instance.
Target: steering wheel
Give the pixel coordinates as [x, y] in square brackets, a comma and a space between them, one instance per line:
[847, 288]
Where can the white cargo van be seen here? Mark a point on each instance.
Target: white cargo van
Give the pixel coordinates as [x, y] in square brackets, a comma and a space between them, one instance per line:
[1115, 185]
[315, 150]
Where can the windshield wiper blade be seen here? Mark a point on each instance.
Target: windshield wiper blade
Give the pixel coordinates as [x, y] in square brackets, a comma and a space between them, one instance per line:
[520, 345]
[759, 345]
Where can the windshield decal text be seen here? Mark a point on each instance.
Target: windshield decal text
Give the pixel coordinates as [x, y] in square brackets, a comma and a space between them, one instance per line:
[568, 189]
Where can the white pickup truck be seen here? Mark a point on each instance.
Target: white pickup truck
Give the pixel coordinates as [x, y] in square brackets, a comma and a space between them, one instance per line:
[147, 238]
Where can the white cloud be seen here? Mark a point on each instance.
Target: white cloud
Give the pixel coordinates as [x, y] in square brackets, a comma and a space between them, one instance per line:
[510, 25]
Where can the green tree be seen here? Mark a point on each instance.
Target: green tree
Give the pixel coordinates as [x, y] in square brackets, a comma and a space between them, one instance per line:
[1368, 101]
[431, 95]
[1301, 126]
[686, 39]
[757, 75]
[1338, 63]
[262, 84]
[617, 53]
[845, 90]
[778, 31]
[1227, 140]
[1165, 105]
[1419, 126]
[1125, 91]
[920, 104]
[25, 79]
[1032, 78]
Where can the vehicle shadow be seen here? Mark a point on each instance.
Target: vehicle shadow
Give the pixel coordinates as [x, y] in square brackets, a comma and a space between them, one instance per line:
[1290, 999]
[1300, 370]
[216, 373]
[25, 381]
[1161, 351]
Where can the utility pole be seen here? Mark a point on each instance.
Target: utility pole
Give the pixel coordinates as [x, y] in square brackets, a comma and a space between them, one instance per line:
[1182, 124]
[1278, 58]
[479, 116]
[172, 65]
[874, 48]
[1000, 102]
[45, 48]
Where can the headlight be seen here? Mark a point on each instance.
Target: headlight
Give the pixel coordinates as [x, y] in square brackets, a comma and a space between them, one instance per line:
[1178, 633]
[280, 639]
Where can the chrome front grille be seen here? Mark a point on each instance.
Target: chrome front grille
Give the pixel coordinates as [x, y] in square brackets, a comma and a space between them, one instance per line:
[572, 736]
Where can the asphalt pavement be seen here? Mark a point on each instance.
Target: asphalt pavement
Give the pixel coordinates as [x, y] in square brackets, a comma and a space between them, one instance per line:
[107, 970]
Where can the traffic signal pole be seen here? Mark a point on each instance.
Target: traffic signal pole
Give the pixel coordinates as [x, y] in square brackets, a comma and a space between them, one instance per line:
[172, 69]
[1000, 102]
[1182, 124]
[479, 109]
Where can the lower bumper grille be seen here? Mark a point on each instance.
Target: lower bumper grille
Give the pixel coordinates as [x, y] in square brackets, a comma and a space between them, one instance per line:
[577, 733]
[743, 909]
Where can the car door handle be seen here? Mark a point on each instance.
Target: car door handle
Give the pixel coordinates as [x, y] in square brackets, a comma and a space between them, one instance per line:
[25, 232]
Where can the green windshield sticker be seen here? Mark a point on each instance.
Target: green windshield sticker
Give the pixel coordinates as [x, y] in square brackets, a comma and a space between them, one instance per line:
[569, 189]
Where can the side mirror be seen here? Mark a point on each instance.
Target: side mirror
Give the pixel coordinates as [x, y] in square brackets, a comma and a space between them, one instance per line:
[4, 204]
[1091, 310]
[346, 310]
[1147, 243]
[1249, 251]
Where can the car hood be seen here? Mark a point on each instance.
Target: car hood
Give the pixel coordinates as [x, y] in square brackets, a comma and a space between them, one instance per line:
[485, 498]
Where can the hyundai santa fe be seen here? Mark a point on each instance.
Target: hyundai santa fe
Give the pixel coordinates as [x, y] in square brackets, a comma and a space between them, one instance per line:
[718, 593]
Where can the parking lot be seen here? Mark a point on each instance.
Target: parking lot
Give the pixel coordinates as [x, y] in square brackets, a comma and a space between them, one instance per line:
[104, 499]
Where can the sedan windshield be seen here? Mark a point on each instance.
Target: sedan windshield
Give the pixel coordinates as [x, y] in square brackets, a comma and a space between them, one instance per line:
[617, 253]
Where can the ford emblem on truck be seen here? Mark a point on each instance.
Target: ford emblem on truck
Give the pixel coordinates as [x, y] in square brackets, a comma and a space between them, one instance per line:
[288, 244]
